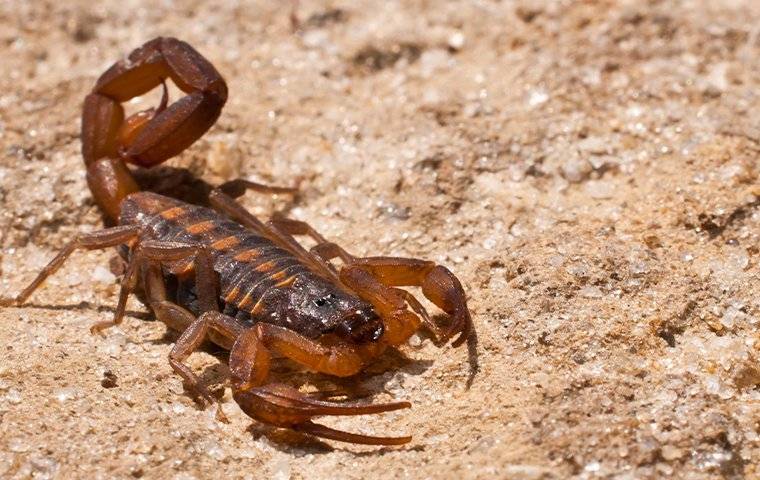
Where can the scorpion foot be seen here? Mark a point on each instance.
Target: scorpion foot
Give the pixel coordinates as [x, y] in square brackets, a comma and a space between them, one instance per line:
[8, 302]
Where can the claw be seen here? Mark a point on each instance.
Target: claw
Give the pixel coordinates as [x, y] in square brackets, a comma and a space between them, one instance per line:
[375, 279]
[286, 407]
[8, 302]
[323, 431]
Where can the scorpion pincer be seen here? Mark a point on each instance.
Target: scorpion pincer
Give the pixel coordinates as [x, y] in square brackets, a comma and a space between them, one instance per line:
[220, 273]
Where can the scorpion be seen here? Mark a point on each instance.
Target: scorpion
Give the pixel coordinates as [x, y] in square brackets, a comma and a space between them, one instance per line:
[217, 272]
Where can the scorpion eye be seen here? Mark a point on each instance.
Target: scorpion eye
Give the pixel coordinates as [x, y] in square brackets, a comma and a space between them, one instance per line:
[321, 302]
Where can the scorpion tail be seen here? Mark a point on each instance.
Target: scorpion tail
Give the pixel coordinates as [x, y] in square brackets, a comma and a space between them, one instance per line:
[152, 136]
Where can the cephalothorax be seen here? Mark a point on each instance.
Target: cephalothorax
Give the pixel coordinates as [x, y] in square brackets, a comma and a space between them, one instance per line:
[221, 273]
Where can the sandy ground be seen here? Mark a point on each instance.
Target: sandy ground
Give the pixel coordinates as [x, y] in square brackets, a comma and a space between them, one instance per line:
[588, 169]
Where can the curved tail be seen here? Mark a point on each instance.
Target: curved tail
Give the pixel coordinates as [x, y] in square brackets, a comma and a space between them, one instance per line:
[149, 137]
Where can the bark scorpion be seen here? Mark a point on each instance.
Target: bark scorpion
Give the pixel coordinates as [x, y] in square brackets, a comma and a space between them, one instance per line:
[221, 273]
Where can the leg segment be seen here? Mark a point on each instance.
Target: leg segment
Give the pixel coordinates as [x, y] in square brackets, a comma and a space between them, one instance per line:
[236, 188]
[374, 277]
[323, 251]
[227, 205]
[328, 251]
[193, 336]
[152, 251]
[180, 319]
[279, 230]
[110, 237]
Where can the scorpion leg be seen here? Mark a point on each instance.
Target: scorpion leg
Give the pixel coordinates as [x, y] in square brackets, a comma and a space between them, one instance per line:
[193, 335]
[151, 137]
[236, 188]
[157, 251]
[273, 403]
[223, 198]
[180, 319]
[279, 229]
[381, 273]
[227, 205]
[223, 327]
[318, 252]
[147, 257]
[109, 237]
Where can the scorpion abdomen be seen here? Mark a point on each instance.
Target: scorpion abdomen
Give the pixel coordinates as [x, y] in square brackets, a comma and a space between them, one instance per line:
[258, 280]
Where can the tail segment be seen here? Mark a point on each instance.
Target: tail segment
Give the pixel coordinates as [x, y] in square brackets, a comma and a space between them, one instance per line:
[152, 136]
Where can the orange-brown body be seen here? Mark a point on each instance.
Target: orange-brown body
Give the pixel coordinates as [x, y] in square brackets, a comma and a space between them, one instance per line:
[258, 281]
[221, 273]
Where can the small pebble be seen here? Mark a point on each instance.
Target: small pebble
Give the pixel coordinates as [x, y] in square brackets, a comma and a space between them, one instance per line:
[456, 40]
[109, 380]
[670, 452]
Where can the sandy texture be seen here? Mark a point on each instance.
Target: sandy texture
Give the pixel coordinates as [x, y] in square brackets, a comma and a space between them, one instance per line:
[588, 169]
